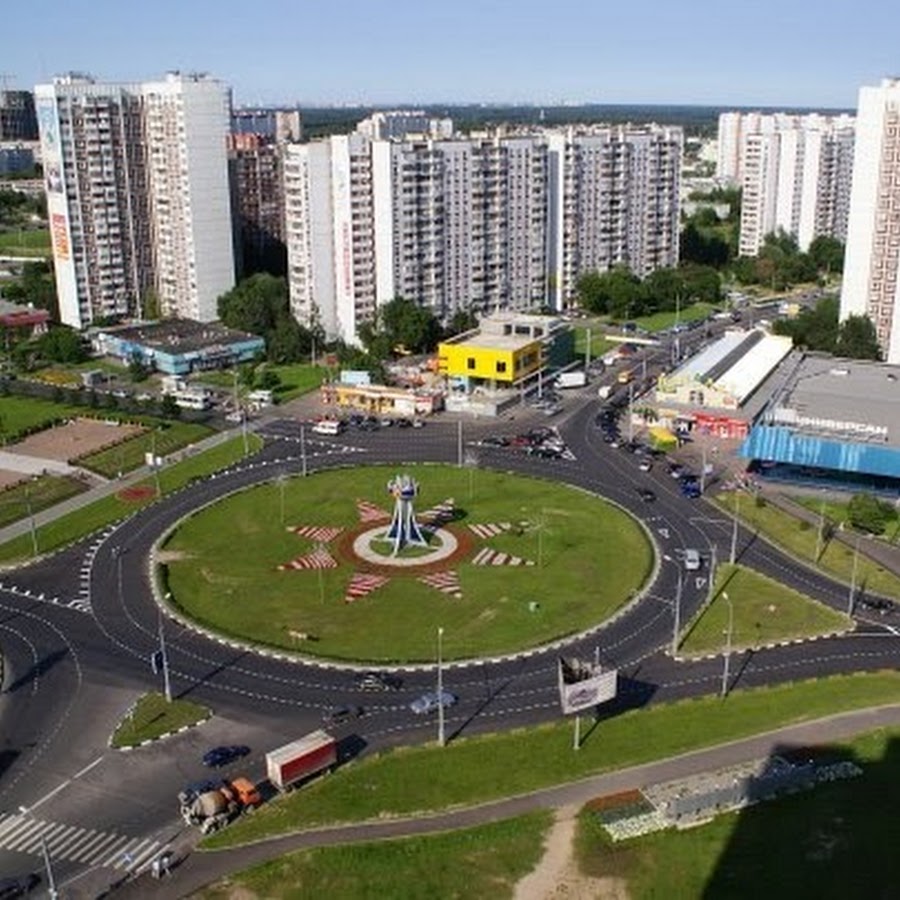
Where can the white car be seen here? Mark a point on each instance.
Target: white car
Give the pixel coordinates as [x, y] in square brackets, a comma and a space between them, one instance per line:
[431, 700]
[692, 560]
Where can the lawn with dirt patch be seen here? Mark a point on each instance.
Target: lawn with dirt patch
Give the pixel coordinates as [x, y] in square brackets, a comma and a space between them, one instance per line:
[505, 603]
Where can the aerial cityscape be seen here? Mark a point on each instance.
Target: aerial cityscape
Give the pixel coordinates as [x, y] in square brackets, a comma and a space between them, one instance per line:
[449, 452]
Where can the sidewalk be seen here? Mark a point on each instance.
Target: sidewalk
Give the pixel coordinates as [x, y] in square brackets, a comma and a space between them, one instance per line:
[98, 492]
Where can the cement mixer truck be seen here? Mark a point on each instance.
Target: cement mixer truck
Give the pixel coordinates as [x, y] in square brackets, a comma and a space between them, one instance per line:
[218, 804]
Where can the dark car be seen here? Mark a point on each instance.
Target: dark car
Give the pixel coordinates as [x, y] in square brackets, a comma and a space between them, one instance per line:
[222, 756]
[495, 440]
[646, 495]
[377, 681]
[546, 452]
[18, 887]
[876, 604]
[369, 424]
[337, 715]
[404, 423]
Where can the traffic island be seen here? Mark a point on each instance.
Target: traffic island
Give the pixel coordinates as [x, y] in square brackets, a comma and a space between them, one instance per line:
[153, 718]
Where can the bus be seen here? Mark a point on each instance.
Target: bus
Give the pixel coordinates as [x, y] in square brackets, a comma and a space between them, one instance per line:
[191, 400]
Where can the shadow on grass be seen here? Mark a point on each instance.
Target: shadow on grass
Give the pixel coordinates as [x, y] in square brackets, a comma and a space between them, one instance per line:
[632, 693]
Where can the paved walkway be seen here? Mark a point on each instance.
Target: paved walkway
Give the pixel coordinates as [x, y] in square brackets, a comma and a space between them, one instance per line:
[198, 869]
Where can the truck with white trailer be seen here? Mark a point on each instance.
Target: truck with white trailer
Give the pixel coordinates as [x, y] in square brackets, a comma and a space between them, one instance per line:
[571, 379]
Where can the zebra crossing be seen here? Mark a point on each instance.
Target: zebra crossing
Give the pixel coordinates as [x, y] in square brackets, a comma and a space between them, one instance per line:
[87, 846]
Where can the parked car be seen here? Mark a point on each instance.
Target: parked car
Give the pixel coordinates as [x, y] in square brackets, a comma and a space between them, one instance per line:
[646, 495]
[222, 756]
[404, 423]
[645, 465]
[431, 700]
[377, 681]
[418, 423]
[546, 452]
[495, 440]
[337, 715]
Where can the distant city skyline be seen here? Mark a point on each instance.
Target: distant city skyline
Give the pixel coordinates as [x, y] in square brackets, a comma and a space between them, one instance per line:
[775, 54]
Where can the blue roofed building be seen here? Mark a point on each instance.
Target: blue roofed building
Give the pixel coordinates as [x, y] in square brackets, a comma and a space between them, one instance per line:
[832, 422]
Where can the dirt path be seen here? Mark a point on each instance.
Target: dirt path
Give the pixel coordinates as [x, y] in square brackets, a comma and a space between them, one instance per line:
[557, 877]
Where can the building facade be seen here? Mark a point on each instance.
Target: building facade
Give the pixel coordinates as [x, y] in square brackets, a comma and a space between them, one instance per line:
[486, 222]
[871, 285]
[795, 173]
[137, 195]
[18, 120]
[257, 180]
[278, 124]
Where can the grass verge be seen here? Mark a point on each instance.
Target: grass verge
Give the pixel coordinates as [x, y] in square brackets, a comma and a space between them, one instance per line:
[800, 538]
[837, 513]
[764, 611]
[481, 862]
[35, 495]
[826, 843]
[87, 519]
[599, 344]
[662, 320]
[476, 770]
[152, 716]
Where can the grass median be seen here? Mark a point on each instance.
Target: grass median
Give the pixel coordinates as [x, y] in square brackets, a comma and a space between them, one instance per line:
[34, 494]
[81, 522]
[482, 862]
[417, 780]
[800, 539]
[153, 716]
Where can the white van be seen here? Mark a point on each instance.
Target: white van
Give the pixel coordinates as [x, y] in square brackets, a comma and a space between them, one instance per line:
[328, 426]
[692, 560]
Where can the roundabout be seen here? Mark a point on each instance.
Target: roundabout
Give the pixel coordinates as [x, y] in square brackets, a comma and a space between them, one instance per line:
[314, 565]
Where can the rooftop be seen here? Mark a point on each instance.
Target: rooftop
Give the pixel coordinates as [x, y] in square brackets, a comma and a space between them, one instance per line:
[178, 335]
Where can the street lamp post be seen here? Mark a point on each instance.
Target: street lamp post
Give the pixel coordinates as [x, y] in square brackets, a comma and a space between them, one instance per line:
[630, 412]
[851, 596]
[31, 525]
[440, 685]
[728, 635]
[155, 463]
[734, 531]
[459, 443]
[52, 893]
[164, 655]
[677, 628]
[820, 533]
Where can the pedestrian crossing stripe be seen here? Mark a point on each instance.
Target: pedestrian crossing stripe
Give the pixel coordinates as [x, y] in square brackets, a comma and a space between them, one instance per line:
[107, 849]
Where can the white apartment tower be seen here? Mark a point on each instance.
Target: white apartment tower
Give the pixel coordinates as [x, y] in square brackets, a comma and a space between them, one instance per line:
[137, 195]
[795, 173]
[871, 285]
[484, 222]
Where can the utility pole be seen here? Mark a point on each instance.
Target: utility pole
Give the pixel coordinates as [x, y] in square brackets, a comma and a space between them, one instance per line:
[851, 597]
[734, 531]
[630, 412]
[303, 449]
[820, 534]
[52, 893]
[31, 525]
[244, 431]
[677, 629]
[167, 685]
[155, 463]
[440, 685]
[728, 635]
[712, 568]
[587, 350]
[459, 443]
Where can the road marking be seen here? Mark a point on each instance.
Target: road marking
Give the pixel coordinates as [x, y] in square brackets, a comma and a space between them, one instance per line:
[26, 834]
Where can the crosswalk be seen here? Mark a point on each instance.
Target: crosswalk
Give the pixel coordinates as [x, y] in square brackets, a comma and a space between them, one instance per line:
[107, 849]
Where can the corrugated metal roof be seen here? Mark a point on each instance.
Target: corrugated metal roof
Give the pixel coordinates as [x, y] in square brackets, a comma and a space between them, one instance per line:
[783, 445]
[750, 370]
[706, 359]
[731, 359]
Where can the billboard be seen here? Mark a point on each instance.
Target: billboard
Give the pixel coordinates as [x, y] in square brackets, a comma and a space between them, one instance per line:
[583, 685]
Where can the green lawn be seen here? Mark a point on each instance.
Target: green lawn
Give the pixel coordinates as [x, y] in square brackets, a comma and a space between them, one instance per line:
[129, 455]
[831, 843]
[599, 343]
[152, 716]
[40, 493]
[84, 521]
[481, 863]
[580, 583]
[663, 320]
[800, 538]
[836, 513]
[763, 611]
[20, 413]
[296, 379]
[25, 243]
[479, 769]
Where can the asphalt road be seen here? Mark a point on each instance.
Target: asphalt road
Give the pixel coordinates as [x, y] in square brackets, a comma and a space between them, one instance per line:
[78, 630]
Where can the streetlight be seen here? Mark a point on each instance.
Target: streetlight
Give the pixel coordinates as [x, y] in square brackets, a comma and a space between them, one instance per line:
[853, 578]
[31, 525]
[164, 658]
[52, 893]
[734, 532]
[727, 599]
[630, 412]
[459, 443]
[820, 533]
[440, 685]
[677, 627]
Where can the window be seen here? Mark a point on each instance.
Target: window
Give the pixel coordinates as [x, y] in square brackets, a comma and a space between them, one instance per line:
[501, 367]
[470, 362]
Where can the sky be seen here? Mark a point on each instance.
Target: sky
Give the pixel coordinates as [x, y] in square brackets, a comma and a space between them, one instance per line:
[775, 53]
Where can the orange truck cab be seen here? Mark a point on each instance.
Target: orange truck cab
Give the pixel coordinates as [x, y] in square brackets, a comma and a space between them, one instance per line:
[245, 791]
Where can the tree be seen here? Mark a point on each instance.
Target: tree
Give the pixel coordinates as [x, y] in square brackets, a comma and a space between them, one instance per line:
[255, 304]
[63, 345]
[288, 341]
[867, 513]
[168, 408]
[137, 370]
[827, 253]
[591, 294]
[269, 380]
[409, 325]
[856, 339]
[815, 328]
[462, 320]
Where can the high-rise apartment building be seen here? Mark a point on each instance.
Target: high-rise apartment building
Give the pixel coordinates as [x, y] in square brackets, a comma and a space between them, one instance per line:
[279, 124]
[257, 181]
[794, 171]
[871, 285]
[398, 123]
[484, 222]
[137, 195]
[18, 121]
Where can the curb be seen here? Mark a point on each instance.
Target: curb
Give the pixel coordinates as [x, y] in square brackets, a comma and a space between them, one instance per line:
[161, 737]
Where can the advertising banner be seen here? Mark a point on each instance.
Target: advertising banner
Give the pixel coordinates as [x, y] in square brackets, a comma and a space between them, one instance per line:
[583, 685]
